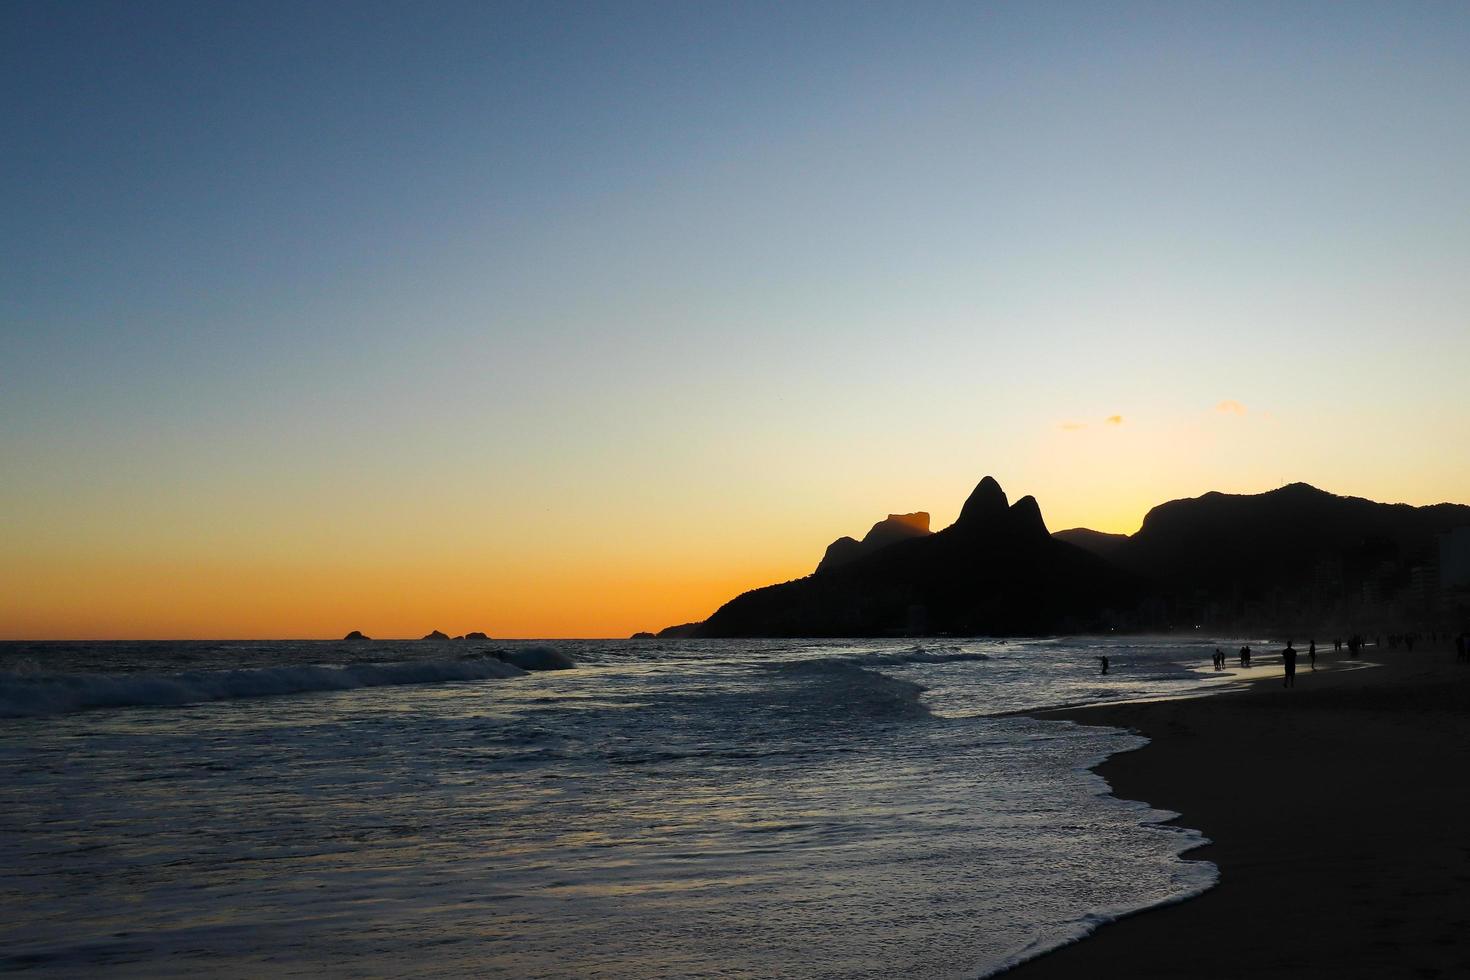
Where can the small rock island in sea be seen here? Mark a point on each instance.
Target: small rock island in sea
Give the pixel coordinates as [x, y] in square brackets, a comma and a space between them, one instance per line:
[356, 635]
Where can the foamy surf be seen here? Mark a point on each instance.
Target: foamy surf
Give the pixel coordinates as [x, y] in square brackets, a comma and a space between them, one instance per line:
[40, 693]
[1190, 878]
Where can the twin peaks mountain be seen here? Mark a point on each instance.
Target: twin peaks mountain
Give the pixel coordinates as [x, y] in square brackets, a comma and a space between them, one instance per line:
[994, 570]
[1292, 555]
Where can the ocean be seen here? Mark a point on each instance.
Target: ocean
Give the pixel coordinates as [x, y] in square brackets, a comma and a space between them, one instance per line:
[673, 808]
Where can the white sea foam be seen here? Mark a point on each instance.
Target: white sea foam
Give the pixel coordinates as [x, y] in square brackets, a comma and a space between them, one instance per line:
[34, 692]
[1189, 879]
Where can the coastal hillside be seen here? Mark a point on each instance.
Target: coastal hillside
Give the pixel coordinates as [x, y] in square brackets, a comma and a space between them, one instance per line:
[1292, 556]
[995, 570]
[1295, 551]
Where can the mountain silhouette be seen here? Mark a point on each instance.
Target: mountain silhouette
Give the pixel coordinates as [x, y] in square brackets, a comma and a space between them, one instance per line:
[995, 570]
[1296, 546]
[1295, 556]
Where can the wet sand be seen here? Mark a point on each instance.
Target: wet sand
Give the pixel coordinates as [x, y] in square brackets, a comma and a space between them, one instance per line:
[1340, 816]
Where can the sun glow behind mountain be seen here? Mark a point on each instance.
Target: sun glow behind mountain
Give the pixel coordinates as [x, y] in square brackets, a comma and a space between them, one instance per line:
[550, 325]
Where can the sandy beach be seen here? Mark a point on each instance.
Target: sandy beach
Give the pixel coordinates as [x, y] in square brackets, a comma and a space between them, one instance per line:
[1338, 815]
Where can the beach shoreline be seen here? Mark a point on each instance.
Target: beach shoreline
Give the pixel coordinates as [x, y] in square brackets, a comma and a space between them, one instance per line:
[1333, 811]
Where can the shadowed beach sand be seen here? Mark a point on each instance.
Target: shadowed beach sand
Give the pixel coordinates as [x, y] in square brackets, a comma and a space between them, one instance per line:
[1340, 815]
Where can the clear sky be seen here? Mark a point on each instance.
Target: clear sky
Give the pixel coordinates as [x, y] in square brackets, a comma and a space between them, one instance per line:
[574, 320]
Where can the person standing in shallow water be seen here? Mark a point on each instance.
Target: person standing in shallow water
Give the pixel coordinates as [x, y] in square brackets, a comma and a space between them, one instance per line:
[1104, 664]
[1311, 653]
[1288, 661]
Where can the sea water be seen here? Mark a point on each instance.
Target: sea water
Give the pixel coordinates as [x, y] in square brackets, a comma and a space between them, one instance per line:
[734, 808]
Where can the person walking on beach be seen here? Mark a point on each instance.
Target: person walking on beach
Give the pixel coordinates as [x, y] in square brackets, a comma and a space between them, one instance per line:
[1245, 654]
[1288, 661]
[1311, 653]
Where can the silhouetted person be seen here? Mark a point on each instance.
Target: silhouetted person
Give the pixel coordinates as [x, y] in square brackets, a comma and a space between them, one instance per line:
[1104, 664]
[1288, 661]
[1312, 653]
[1245, 656]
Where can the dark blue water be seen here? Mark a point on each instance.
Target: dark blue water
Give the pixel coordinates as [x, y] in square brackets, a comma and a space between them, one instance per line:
[662, 809]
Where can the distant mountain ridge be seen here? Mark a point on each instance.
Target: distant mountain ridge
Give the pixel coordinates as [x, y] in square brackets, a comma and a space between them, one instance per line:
[1287, 542]
[1101, 543]
[1292, 554]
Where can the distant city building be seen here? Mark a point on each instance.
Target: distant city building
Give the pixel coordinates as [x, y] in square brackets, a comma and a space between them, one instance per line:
[1378, 583]
[1454, 558]
[1423, 586]
[1327, 580]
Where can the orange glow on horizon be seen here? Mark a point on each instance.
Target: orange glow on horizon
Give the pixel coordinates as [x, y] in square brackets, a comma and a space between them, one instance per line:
[222, 601]
[588, 575]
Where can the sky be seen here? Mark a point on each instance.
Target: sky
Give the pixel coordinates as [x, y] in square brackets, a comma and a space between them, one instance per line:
[558, 320]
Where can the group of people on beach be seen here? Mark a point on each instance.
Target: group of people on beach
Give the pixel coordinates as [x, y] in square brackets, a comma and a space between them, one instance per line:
[1218, 660]
[1354, 645]
[1405, 641]
[1288, 660]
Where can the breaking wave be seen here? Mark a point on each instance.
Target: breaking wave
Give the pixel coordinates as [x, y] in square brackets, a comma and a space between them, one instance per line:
[832, 689]
[913, 655]
[32, 693]
[536, 658]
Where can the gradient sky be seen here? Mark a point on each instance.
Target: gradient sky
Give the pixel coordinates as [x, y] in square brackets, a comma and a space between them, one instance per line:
[574, 320]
